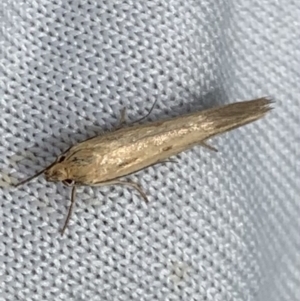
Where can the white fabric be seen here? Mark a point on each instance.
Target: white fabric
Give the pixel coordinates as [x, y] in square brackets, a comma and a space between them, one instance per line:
[219, 226]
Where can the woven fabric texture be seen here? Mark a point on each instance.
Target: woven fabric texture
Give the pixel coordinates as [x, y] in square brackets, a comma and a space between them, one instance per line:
[219, 226]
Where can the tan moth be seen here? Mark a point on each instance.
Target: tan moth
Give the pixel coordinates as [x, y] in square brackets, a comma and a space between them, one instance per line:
[104, 159]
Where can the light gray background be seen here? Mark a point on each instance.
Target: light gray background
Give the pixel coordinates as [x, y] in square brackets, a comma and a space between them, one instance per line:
[219, 226]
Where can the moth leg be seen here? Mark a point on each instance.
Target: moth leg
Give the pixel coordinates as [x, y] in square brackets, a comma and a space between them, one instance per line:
[122, 120]
[123, 116]
[206, 145]
[69, 211]
[134, 185]
[150, 111]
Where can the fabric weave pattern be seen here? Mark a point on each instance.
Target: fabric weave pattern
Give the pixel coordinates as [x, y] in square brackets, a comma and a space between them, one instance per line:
[219, 226]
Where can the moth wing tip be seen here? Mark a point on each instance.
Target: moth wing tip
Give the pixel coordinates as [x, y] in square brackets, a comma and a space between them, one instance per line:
[267, 102]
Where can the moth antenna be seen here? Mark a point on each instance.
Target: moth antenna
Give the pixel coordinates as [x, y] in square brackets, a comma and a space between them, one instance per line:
[34, 176]
[69, 211]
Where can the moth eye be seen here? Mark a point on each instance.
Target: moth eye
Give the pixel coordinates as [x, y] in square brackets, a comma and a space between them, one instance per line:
[69, 182]
[61, 158]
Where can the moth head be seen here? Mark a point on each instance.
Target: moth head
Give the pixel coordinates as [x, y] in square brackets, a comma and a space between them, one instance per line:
[58, 173]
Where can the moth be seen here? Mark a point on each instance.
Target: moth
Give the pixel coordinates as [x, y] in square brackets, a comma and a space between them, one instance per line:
[105, 159]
